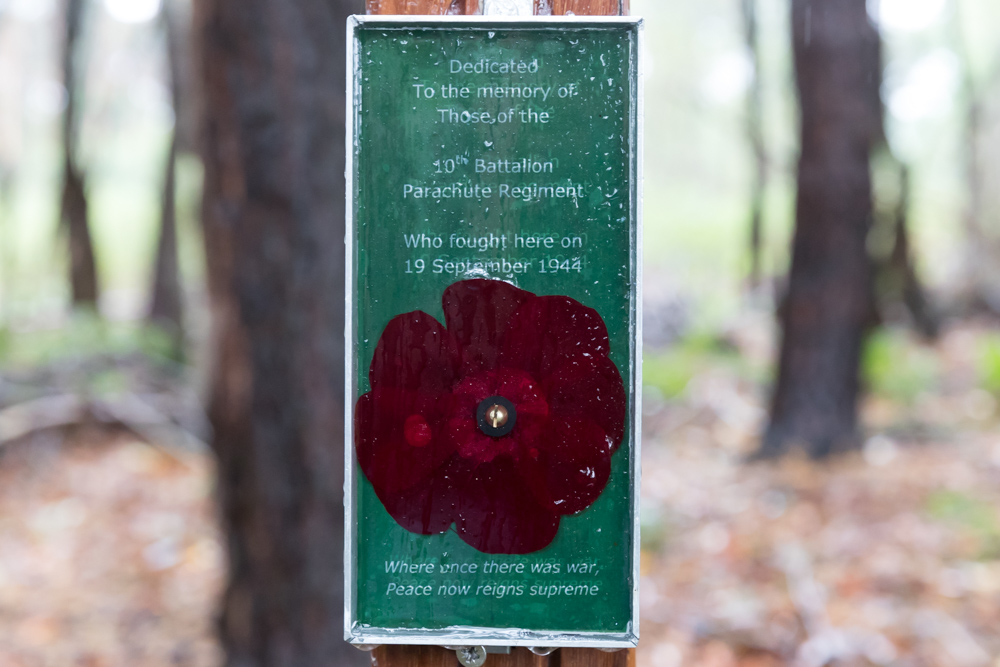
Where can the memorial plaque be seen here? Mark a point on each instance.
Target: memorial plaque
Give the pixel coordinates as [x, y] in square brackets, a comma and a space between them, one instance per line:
[493, 331]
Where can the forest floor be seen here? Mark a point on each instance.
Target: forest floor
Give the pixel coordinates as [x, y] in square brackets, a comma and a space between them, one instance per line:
[890, 556]
[110, 554]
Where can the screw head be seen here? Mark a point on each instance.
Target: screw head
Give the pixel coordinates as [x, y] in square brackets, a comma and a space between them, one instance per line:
[471, 656]
[496, 416]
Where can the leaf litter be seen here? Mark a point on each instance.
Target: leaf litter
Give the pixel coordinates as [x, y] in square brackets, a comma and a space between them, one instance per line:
[887, 556]
[110, 553]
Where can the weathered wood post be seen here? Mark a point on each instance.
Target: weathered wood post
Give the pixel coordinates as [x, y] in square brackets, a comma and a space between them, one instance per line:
[442, 391]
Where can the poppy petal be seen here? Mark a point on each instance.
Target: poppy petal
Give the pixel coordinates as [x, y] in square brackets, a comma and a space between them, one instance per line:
[592, 388]
[498, 514]
[418, 440]
[548, 330]
[400, 437]
[477, 313]
[569, 466]
[427, 508]
[414, 352]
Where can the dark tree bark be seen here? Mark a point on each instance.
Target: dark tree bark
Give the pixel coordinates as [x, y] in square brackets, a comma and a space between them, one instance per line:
[73, 213]
[274, 82]
[165, 308]
[826, 311]
[755, 136]
[898, 288]
[901, 264]
[899, 292]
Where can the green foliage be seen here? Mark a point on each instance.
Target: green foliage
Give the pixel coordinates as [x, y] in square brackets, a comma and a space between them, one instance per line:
[896, 367]
[85, 336]
[5, 341]
[989, 364]
[964, 511]
[669, 372]
[654, 529]
[672, 369]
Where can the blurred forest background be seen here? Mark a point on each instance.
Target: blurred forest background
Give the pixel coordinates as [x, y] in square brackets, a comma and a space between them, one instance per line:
[766, 542]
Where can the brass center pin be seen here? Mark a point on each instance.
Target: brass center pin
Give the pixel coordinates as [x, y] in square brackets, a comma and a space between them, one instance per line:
[497, 415]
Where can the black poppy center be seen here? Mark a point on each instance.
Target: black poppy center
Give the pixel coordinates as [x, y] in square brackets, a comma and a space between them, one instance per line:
[496, 416]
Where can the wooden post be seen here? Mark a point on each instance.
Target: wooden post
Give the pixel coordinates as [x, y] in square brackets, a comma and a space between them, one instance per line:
[433, 656]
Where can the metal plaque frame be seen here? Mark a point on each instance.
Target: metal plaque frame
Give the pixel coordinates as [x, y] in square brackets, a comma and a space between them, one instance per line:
[354, 632]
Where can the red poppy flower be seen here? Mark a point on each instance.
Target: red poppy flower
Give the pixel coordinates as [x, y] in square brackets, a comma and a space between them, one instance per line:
[500, 422]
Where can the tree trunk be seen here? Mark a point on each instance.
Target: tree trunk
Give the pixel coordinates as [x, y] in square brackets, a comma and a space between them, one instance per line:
[165, 308]
[981, 246]
[74, 216]
[165, 305]
[897, 285]
[826, 310]
[755, 135]
[274, 85]
[912, 292]
[73, 213]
